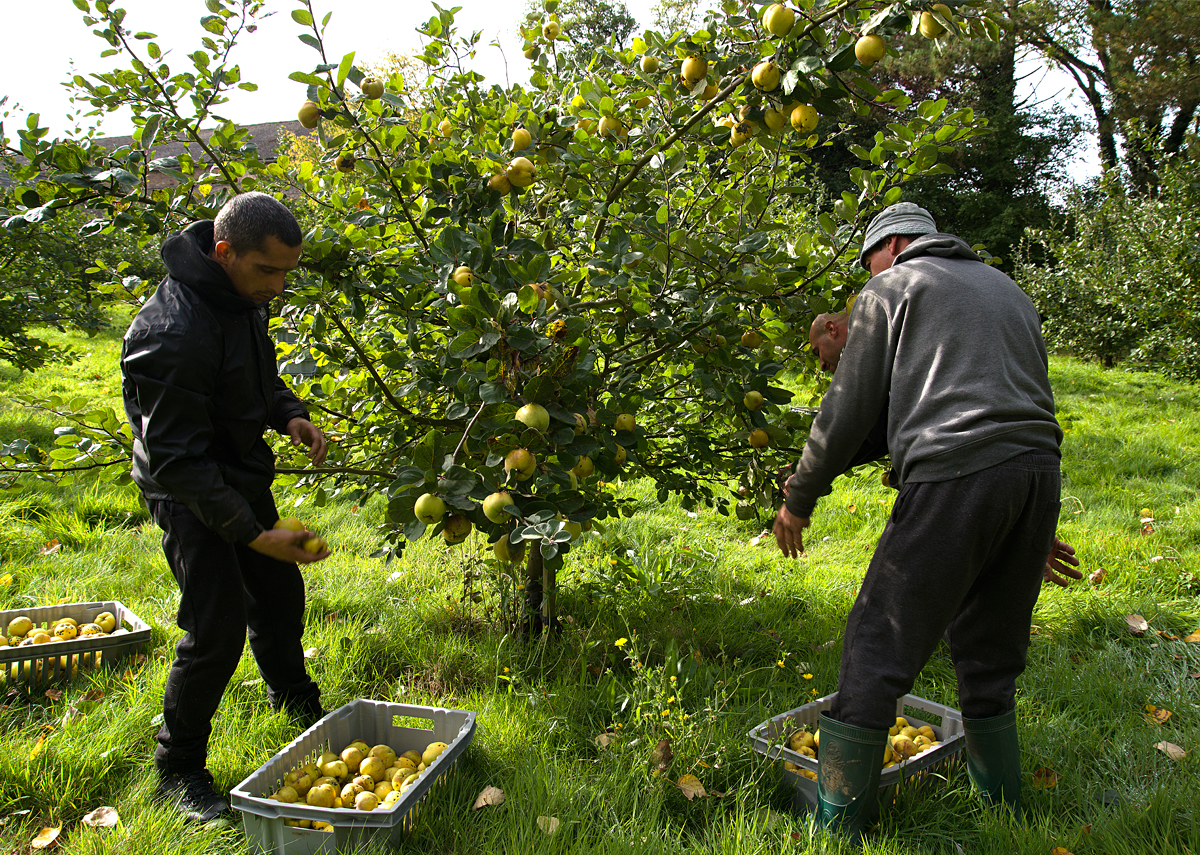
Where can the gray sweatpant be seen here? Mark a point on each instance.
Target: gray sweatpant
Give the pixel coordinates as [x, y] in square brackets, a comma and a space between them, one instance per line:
[961, 559]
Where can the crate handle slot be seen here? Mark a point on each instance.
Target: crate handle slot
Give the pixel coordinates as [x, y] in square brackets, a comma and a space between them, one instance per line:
[414, 722]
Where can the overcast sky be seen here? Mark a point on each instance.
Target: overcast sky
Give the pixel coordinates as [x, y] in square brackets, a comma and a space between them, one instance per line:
[48, 39]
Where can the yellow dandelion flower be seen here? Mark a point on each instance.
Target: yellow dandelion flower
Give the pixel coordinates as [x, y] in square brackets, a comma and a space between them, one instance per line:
[621, 642]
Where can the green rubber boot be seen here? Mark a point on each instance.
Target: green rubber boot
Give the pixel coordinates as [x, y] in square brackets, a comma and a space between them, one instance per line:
[994, 759]
[851, 759]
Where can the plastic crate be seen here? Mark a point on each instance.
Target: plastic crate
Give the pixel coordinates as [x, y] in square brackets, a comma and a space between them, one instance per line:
[374, 722]
[931, 767]
[40, 664]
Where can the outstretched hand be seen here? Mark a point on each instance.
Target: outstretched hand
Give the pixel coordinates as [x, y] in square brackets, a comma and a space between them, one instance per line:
[286, 545]
[305, 433]
[789, 531]
[1062, 554]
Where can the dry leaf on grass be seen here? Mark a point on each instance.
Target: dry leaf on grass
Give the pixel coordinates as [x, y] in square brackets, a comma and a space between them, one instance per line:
[94, 695]
[603, 741]
[1136, 623]
[1156, 715]
[54, 694]
[1194, 637]
[51, 547]
[548, 824]
[691, 787]
[102, 817]
[1044, 779]
[1098, 576]
[1172, 750]
[1168, 635]
[1060, 850]
[490, 796]
[46, 837]
[311, 653]
[40, 742]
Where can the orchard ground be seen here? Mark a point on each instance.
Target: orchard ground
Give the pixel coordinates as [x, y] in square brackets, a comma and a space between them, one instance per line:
[679, 626]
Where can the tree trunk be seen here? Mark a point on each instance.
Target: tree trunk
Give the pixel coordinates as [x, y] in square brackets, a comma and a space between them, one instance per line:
[534, 573]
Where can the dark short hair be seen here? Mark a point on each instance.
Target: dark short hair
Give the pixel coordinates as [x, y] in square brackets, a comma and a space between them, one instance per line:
[867, 253]
[248, 219]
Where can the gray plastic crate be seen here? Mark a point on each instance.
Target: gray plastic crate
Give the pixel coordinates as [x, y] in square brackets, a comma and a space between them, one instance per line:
[928, 768]
[41, 664]
[374, 722]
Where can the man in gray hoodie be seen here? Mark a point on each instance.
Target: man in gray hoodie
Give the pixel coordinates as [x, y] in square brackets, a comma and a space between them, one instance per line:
[953, 349]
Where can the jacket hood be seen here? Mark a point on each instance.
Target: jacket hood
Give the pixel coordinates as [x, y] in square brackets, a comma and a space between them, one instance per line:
[186, 258]
[939, 244]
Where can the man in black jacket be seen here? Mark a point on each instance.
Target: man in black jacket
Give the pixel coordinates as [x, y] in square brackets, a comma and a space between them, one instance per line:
[200, 385]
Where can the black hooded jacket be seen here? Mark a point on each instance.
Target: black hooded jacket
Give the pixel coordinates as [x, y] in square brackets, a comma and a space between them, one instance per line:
[200, 384]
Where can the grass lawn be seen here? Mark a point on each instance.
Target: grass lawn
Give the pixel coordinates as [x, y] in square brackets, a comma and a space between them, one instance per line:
[719, 633]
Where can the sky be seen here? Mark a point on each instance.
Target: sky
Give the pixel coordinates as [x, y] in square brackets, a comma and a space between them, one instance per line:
[51, 43]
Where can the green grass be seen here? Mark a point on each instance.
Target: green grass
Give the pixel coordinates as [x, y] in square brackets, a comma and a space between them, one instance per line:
[745, 633]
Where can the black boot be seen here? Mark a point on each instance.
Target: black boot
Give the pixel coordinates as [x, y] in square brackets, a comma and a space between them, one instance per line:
[850, 760]
[192, 794]
[994, 759]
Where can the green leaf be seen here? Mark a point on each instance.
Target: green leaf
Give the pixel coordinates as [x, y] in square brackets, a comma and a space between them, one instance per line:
[303, 17]
[311, 79]
[150, 131]
[662, 214]
[344, 68]
[528, 299]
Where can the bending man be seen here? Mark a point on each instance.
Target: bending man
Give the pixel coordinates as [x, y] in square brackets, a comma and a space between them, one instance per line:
[952, 348]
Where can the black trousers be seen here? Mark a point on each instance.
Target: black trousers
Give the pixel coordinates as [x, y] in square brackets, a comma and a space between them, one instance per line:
[959, 559]
[225, 590]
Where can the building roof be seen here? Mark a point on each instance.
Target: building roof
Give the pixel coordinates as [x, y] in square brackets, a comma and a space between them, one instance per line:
[265, 137]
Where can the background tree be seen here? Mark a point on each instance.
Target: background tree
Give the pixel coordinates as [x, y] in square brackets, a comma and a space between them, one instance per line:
[1121, 275]
[586, 25]
[1137, 63]
[1003, 180]
[672, 15]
